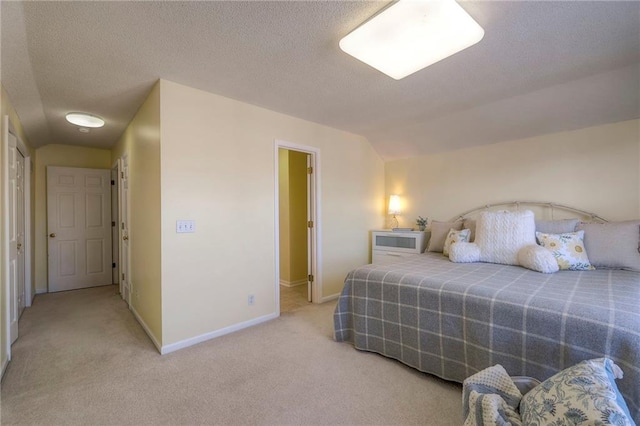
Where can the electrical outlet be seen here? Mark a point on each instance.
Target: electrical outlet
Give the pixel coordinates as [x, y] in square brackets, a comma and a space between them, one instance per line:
[251, 299]
[185, 226]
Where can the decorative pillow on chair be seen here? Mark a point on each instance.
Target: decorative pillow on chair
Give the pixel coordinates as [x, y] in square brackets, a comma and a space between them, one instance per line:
[453, 237]
[538, 259]
[568, 249]
[583, 394]
[500, 235]
[613, 245]
[439, 232]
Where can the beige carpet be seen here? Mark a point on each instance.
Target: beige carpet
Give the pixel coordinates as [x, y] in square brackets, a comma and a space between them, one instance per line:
[83, 359]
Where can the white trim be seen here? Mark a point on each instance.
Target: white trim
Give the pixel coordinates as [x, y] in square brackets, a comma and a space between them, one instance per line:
[28, 285]
[4, 367]
[297, 283]
[329, 298]
[212, 335]
[146, 329]
[41, 290]
[317, 229]
[5, 236]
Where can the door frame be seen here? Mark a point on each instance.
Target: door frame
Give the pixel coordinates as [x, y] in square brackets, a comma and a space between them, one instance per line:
[9, 128]
[316, 255]
[115, 219]
[124, 267]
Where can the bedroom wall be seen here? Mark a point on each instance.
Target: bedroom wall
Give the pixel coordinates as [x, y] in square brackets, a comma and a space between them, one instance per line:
[62, 156]
[218, 169]
[141, 143]
[6, 108]
[594, 169]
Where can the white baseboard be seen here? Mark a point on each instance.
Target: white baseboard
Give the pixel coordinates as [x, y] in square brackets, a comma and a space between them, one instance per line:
[41, 290]
[330, 298]
[146, 329]
[212, 335]
[4, 368]
[293, 283]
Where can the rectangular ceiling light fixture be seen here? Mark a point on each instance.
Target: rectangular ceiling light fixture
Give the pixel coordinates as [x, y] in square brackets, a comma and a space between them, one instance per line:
[410, 35]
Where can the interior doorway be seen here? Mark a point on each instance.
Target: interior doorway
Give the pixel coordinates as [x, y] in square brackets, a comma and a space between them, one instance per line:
[297, 223]
[16, 190]
[79, 228]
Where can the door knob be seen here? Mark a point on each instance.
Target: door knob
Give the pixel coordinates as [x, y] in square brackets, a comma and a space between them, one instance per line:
[52, 235]
[19, 246]
[125, 238]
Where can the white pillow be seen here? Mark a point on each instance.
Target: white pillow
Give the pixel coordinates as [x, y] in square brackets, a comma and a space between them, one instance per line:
[538, 259]
[455, 237]
[464, 253]
[500, 235]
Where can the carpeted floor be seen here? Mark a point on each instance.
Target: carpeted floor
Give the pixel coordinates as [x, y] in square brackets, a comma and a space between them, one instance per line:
[83, 359]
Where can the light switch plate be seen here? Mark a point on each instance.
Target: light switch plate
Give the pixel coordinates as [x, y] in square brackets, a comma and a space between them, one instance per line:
[183, 226]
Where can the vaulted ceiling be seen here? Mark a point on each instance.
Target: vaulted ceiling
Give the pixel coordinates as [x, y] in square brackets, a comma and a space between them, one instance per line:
[541, 67]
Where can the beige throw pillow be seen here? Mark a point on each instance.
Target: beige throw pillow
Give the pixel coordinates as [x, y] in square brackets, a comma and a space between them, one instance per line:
[439, 231]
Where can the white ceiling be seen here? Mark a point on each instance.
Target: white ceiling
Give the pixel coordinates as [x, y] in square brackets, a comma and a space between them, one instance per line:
[542, 67]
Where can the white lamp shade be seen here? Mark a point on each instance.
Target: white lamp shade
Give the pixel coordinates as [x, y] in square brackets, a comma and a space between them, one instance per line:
[394, 204]
[411, 35]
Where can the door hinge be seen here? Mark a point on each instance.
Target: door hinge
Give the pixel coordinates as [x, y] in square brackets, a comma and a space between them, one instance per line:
[123, 276]
[122, 175]
[310, 278]
[309, 170]
[113, 265]
[310, 224]
[122, 225]
[113, 182]
[113, 223]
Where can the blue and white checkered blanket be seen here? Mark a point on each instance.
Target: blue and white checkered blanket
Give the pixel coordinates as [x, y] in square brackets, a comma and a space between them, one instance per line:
[453, 320]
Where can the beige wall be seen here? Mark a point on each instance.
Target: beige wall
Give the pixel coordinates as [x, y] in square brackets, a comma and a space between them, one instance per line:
[594, 169]
[6, 108]
[217, 168]
[141, 144]
[61, 156]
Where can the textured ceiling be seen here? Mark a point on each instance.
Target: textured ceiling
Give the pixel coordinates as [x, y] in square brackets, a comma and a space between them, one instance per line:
[541, 67]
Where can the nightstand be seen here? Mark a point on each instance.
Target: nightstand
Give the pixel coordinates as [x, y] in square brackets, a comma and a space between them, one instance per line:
[391, 246]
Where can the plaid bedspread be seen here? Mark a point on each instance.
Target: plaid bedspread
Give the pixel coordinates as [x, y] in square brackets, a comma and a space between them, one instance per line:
[453, 320]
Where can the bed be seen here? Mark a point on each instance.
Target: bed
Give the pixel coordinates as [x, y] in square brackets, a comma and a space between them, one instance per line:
[455, 319]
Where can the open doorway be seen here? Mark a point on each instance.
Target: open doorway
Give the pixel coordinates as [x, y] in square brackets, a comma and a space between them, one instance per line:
[297, 227]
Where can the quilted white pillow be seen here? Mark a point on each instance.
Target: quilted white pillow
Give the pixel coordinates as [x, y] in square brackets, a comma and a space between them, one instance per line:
[500, 235]
[455, 237]
[538, 259]
[464, 253]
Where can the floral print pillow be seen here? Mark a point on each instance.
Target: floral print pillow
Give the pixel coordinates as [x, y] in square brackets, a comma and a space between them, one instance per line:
[568, 249]
[455, 236]
[585, 394]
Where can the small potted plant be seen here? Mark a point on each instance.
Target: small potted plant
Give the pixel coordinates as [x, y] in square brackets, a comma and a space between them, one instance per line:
[421, 222]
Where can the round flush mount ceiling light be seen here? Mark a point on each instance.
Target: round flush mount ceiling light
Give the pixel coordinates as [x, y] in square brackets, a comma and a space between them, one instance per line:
[84, 120]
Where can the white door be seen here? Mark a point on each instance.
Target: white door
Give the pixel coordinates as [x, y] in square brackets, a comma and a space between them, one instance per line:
[79, 227]
[123, 193]
[310, 225]
[16, 236]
